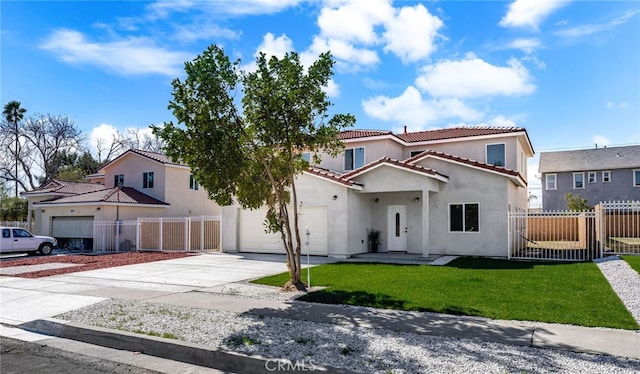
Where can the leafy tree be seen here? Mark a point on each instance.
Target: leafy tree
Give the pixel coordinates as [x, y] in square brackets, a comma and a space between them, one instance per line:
[42, 139]
[14, 209]
[575, 203]
[73, 167]
[253, 155]
[13, 114]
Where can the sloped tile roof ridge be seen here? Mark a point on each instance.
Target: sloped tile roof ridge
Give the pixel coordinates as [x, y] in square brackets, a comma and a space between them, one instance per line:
[362, 133]
[329, 174]
[157, 156]
[456, 132]
[466, 161]
[393, 161]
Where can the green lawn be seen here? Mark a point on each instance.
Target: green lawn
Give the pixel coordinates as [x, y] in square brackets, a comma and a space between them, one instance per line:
[570, 293]
[632, 260]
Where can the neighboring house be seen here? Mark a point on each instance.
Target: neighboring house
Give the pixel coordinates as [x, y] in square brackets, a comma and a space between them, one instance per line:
[598, 174]
[432, 192]
[135, 184]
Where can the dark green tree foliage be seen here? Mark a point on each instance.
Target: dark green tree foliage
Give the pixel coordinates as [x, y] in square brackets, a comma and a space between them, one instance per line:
[253, 155]
[576, 203]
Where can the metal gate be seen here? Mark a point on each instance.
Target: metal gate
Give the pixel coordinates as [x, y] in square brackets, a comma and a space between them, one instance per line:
[162, 234]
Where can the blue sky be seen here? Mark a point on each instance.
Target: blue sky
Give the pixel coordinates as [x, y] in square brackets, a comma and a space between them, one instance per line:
[567, 71]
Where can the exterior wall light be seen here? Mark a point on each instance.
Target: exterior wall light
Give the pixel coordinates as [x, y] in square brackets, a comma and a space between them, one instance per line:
[335, 197]
[417, 199]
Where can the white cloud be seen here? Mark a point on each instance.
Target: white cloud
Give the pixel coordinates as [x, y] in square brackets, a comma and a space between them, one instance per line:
[411, 34]
[614, 105]
[332, 90]
[590, 29]
[203, 31]
[601, 140]
[527, 45]
[351, 29]
[473, 77]
[348, 57]
[412, 110]
[529, 12]
[130, 56]
[354, 21]
[164, 8]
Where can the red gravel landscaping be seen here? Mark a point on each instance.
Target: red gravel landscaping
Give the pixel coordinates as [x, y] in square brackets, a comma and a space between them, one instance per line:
[88, 262]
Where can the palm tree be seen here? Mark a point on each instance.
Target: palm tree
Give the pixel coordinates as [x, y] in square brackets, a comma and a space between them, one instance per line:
[13, 113]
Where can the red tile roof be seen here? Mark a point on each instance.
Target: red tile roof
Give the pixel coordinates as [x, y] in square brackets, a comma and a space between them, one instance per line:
[155, 156]
[60, 187]
[387, 160]
[481, 165]
[456, 132]
[353, 134]
[121, 195]
[330, 175]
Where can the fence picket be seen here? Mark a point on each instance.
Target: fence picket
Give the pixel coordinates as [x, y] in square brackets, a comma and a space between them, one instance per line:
[161, 234]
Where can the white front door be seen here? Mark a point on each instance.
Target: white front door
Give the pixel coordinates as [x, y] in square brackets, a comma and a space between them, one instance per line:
[397, 228]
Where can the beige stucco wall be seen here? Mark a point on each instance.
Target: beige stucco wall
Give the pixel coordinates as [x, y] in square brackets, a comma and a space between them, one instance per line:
[468, 185]
[171, 185]
[373, 150]
[184, 201]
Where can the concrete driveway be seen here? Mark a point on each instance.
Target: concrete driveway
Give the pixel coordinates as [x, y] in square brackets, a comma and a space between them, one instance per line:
[26, 300]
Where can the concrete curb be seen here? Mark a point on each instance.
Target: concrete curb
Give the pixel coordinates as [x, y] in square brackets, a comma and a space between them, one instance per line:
[192, 353]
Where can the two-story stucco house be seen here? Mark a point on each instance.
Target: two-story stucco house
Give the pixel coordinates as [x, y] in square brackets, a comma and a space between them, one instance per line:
[432, 192]
[135, 184]
[598, 174]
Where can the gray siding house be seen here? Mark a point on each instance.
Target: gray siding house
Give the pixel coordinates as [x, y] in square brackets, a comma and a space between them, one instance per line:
[598, 174]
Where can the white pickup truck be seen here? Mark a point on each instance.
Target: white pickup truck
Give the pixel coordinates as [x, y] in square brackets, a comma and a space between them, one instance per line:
[15, 239]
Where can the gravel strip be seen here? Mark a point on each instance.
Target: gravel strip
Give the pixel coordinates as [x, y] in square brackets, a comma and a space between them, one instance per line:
[360, 349]
[625, 282]
[13, 270]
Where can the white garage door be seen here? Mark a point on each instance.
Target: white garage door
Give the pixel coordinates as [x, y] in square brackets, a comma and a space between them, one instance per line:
[73, 227]
[254, 239]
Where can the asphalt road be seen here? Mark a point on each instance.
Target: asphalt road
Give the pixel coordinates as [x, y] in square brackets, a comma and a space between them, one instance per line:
[18, 357]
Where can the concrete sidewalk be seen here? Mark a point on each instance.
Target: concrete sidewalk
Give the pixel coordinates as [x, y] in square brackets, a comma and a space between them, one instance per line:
[30, 303]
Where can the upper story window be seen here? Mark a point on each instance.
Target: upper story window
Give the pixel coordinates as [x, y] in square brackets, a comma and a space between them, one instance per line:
[306, 156]
[636, 178]
[118, 180]
[464, 217]
[353, 158]
[496, 154]
[193, 183]
[415, 153]
[591, 177]
[606, 176]
[578, 180]
[550, 181]
[147, 180]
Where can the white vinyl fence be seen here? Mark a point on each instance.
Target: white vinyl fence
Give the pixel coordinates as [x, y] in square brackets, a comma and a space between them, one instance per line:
[162, 234]
[21, 224]
[611, 228]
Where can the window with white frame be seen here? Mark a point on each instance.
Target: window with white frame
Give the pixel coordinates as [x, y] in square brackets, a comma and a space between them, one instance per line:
[118, 180]
[306, 156]
[496, 154]
[578, 181]
[353, 158]
[591, 177]
[464, 217]
[550, 181]
[147, 179]
[636, 178]
[193, 183]
[606, 176]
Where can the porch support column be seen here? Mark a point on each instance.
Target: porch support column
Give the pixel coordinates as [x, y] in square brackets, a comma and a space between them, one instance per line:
[425, 222]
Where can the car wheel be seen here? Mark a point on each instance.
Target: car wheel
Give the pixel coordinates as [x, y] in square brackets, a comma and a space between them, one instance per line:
[45, 249]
